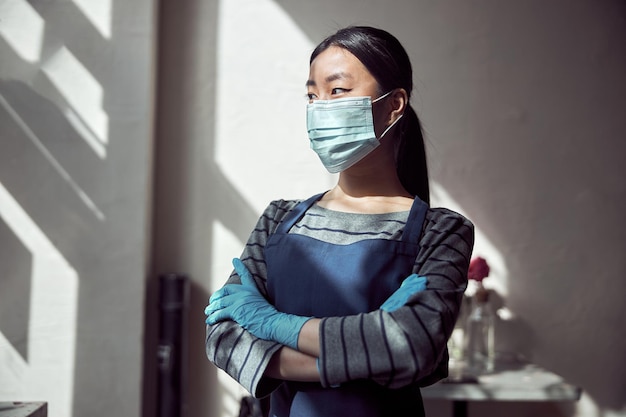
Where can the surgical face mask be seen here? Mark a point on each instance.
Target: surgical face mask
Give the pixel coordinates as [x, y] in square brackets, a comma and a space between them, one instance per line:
[341, 131]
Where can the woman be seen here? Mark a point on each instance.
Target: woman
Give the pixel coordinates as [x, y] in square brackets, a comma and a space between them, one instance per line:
[342, 304]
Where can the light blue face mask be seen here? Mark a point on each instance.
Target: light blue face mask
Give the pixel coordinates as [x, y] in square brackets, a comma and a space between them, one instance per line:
[341, 131]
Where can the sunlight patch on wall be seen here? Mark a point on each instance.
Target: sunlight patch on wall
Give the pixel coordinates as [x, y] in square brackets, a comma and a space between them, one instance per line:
[49, 372]
[80, 95]
[98, 13]
[226, 246]
[22, 28]
[260, 126]
[13, 366]
[84, 96]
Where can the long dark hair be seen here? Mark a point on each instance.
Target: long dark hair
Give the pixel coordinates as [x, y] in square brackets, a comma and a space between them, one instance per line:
[385, 58]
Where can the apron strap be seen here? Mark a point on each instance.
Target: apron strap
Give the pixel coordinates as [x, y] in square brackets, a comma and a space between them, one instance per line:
[296, 213]
[413, 228]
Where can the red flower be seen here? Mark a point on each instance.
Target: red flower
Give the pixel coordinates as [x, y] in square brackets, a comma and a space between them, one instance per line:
[478, 269]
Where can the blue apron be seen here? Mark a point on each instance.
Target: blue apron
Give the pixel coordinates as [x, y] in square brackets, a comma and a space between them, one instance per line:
[309, 277]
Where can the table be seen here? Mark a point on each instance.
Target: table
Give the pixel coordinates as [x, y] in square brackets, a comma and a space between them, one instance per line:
[23, 409]
[509, 382]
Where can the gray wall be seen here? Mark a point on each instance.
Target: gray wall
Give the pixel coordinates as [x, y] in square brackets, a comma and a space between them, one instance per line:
[76, 84]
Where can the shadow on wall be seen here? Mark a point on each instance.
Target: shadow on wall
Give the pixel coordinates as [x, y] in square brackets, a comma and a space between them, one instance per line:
[36, 135]
[65, 105]
[15, 286]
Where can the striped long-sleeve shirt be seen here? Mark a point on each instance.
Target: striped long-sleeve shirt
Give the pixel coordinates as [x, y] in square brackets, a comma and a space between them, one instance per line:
[394, 349]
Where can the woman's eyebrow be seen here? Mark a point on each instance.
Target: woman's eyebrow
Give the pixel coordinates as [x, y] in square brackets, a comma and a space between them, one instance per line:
[333, 77]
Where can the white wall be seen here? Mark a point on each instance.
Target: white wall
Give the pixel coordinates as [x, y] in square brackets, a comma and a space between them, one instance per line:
[76, 91]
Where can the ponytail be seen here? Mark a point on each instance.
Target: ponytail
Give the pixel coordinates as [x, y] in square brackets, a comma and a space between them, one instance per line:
[411, 158]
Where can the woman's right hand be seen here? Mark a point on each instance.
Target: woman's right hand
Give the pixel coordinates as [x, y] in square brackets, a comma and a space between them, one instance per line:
[245, 304]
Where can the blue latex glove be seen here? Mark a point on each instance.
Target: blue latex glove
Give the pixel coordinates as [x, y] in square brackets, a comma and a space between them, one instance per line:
[244, 304]
[411, 285]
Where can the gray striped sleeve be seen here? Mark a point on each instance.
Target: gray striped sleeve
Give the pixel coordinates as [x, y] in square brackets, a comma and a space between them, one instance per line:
[405, 346]
[231, 348]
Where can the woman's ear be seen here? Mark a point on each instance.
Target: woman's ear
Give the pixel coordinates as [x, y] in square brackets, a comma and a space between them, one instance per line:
[399, 101]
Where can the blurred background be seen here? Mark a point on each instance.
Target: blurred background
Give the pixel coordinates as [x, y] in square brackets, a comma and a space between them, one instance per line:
[139, 138]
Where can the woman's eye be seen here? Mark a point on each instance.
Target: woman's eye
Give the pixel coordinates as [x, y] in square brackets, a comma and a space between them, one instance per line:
[310, 96]
[338, 90]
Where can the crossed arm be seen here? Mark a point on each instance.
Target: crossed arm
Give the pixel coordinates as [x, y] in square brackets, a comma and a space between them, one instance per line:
[297, 360]
[419, 329]
[298, 365]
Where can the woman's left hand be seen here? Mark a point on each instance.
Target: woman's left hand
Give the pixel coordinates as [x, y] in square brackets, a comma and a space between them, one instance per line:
[410, 286]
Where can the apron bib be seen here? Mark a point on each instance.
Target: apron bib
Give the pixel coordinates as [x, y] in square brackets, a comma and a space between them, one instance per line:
[309, 277]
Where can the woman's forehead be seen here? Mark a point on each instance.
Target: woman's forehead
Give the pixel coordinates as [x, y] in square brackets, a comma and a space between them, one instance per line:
[336, 63]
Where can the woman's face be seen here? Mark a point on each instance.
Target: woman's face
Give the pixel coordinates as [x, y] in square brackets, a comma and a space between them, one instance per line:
[336, 73]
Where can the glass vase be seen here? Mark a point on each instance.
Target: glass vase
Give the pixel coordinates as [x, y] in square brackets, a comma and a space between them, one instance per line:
[480, 334]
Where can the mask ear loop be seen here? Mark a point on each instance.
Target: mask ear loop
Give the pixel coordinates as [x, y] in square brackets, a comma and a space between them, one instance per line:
[382, 97]
[394, 122]
[390, 126]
